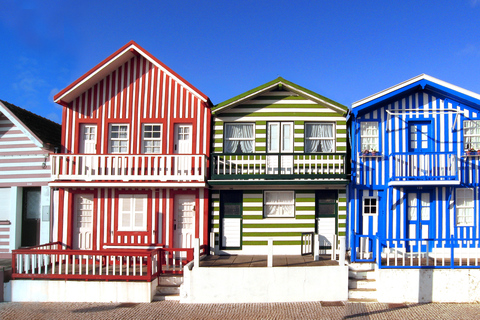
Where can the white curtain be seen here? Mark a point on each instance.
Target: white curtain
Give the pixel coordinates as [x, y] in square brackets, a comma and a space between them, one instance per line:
[279, 203]
[319, 130]
[313, 131]
[246, 132]
[232, 131]
[239, 134]
[326, 131]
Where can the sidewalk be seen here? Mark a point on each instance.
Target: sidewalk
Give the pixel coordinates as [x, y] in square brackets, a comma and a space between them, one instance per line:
[175, 310]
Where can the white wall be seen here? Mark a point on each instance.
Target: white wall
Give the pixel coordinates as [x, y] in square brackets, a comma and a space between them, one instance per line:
[428, 285]
[277, 284]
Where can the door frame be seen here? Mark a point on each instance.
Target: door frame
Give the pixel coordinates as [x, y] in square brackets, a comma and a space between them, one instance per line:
[175, 137]
[428, 122]
[72, 217]
[171, 217]
[419, 222]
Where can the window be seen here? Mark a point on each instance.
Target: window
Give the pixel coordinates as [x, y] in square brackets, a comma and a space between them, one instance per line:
[239, 138]
[231, 219]
[280, 137]
[279, 203]
[231, 203]
[471, 134]
[370, 206]
[132, 212]
[152, 138]
[319, 137]
[326, 202]
[464, 205]
[118, 138]
[369, 136]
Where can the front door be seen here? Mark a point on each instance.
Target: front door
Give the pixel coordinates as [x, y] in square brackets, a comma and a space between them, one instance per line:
[280, 140]
[31, 216]
[418, 219]
[184, 221]
[183, 145]
[83, 222]
[88, 136]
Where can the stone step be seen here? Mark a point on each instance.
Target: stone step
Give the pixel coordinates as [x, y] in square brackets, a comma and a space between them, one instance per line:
[363, 266]
[362, 300]
[362, 275]
[362, 283]
[168, 290]
[362, 294]
[166, 297]
[170, 280]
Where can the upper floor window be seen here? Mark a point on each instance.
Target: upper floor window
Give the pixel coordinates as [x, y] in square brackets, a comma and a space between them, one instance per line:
[280, 137]
[464, 205]
[119, 138]
[370, 206]
[279, 203]
[152, 138]
[239, 138]
[471, 134]
[369, 136]
[319, 137]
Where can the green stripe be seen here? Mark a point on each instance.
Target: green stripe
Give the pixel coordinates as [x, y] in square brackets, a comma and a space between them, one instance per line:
[279, 106]
[341, 139]
[341, 122]
[342, 217]
[305, 199]
[297, 139]
[283, 225]
[284, 114]
[264, 243]
[252, 208]
[342, 199]
[341, 148]
[342, 208]
[218, 123]
[219, 150]
[252, 199]
[308, 216]
[259, 217]
[261, 131]
[301, 131]
[341, 131]
[272, 234]
[261, 122]
[299, 122]
[342, 225]
[301, 208]
[261, 140]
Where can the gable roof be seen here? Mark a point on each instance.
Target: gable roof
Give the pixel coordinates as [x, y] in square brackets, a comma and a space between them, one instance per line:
[111, 63]
[43, 132]
[422, 81]
[308, 94]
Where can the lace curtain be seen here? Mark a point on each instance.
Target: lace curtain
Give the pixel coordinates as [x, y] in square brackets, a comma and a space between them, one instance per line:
[279, 203]
[315, 131]
[239, 134]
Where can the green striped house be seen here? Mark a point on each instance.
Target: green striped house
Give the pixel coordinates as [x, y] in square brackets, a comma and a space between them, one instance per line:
[278, 170]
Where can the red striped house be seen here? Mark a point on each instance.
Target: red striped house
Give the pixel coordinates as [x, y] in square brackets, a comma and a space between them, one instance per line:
[132, 173]
[26, 141]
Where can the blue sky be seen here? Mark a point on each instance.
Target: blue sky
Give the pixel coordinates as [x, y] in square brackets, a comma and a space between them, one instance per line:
[344, 50]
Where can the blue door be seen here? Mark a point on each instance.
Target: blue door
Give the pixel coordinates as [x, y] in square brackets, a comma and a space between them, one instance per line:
[418, 220]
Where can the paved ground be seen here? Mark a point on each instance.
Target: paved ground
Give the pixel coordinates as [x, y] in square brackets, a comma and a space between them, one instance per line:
[175, 310]
[247, 261]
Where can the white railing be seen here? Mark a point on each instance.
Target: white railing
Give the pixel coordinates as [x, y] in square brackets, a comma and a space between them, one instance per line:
[258, 164]
[90, 167]
[412, 166]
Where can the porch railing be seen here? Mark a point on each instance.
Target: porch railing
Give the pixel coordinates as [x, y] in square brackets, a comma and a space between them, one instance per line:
[88, 167]
[278, 166]
[432, 166]
[51, 261]
[307, 243]
[446, 253]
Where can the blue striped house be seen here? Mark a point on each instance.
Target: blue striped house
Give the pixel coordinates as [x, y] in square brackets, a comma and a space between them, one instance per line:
[413, 199]
[278, 170]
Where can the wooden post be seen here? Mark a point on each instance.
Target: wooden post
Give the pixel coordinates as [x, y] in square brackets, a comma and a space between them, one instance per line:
[270, 253]
[342, 252]
[316, 247]
[196, 252]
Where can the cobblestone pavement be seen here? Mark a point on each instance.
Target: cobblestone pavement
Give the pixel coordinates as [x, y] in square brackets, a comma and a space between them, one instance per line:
[175, 310]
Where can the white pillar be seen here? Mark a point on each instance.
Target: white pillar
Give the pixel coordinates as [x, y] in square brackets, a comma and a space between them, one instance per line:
[342, 252]
[316, 247]
[196, 252]
[213, 246]
[270, 253]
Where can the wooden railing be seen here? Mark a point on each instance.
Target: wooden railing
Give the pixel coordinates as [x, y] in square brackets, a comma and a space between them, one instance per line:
[278, 166]
[88, 167]
[425, 166]
[50, 261]
[307, 243]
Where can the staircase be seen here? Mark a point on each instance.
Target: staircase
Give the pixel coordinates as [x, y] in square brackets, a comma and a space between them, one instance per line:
[362, 286]
[168, 287]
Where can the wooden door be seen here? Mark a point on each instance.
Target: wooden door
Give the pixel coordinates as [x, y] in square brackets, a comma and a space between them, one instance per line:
[83, 222]
[183, 145]
[184, 221]
[418, 219]
[88, 138]
[31, 216]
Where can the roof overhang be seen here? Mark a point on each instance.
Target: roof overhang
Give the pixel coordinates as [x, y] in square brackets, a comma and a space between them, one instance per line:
[110, 64]
[19, 124]
[422, 81]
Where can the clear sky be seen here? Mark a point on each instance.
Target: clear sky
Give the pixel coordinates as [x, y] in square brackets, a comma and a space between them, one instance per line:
[344, 50]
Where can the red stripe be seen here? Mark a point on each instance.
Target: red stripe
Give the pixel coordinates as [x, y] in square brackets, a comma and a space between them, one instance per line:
[16, 176]
[34, 167]
[4, 229]
[19, 146]
[6, 138]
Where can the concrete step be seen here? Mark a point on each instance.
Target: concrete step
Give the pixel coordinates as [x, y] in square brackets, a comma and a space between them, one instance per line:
[361, 266]
[362, 283]
[362, 300]
[168, 290]
[362, 294]
[170, 280]
[362, 275]
[166, 297]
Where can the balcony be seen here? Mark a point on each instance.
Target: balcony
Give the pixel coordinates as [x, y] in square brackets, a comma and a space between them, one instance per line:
[269, 166]
[89, 167]
[426, 168]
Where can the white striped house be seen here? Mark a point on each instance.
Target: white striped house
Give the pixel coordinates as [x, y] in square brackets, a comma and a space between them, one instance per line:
[267, 162]
[134, 164]
[413, 175]
[26, 142]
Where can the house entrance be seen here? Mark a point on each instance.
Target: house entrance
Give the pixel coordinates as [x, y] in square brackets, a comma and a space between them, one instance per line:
[83, 222]
[184, 221]
[31, 216]
[418, 219]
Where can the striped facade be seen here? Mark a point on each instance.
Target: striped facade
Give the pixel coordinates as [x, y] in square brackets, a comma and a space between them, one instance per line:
[278, 101]
[133, 90]
[24, 177]
[400, 173]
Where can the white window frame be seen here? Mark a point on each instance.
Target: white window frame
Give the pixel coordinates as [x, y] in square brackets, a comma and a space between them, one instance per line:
[376, 136]
[289, 203]
[281, 148]
[364, 206]
[132, 212]
[465, 212]
[111, 140]
[226, 138]
[145, 139]
[471, 136]
[333, 138]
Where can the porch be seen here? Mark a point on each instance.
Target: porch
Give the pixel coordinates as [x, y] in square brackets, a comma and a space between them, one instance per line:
[116, 167]
[278, 166]
[261, 261]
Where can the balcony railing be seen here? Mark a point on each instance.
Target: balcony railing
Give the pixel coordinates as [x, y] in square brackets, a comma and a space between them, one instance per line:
[413, 167]
[88, 167]
[278, 166]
